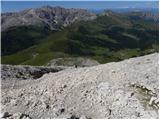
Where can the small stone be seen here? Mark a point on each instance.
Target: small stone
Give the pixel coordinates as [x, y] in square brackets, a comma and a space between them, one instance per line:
[62, 110]
[132, 94]
[5, 115]
[156, 106]
[143, 87]
[156, 101]
[16, 115]
[24, 116]
[47, 106]
[27, 103]
[151, 100]
[137, 114]
[110, 111]
[132, 84]
[64, 86]
[87, 91]
[20, 95]
[147, 76]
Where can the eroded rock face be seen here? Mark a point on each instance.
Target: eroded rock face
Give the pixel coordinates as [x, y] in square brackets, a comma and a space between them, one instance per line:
[53, 18]
[126, 89]
[16, 75]
[26, 71]
[18, 115]
[73, 61]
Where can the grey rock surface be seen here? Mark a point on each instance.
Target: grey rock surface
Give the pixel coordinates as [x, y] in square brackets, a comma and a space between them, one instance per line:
[72, 61]
[18, 75]
[126, 89]
[53, 18]
[26, 71]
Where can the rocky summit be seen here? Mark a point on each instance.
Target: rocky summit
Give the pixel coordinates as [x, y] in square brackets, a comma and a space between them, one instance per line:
[126, 89]
[53, 18]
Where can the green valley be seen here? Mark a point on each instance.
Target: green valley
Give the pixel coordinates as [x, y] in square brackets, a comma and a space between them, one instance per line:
[111, 37]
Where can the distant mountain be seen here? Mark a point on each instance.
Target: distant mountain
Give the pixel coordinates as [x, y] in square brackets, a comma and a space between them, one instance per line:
[127, 10]
[53, 18]
[135, 15]
[23, 29]
[148, 16]
[109, 37]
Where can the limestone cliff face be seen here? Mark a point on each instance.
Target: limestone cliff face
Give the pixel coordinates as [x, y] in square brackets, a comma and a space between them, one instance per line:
[126, 89]
[53, 18]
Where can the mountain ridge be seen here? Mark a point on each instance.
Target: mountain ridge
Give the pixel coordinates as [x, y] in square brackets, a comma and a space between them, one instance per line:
[52, 17]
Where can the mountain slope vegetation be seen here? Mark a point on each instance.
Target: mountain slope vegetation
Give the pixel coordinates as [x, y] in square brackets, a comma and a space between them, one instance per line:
[16, 39]
[109, 37]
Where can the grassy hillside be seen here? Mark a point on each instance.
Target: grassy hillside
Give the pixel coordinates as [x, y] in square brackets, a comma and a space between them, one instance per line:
[108, 38]
[16, 39]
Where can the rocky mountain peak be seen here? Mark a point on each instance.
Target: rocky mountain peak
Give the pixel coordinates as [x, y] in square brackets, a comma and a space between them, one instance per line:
[54, 18]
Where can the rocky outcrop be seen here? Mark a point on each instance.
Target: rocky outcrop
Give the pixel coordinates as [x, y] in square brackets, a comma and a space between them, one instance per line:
[25, 71]
[53, 18]
[126, 89]
[18, 75]
[73, 61]
[18, 115]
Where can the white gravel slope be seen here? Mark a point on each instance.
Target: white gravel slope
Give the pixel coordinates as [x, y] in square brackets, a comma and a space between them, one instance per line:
[126, 89]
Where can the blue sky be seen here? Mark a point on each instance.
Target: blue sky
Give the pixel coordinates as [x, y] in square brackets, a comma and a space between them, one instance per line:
[12, 6]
